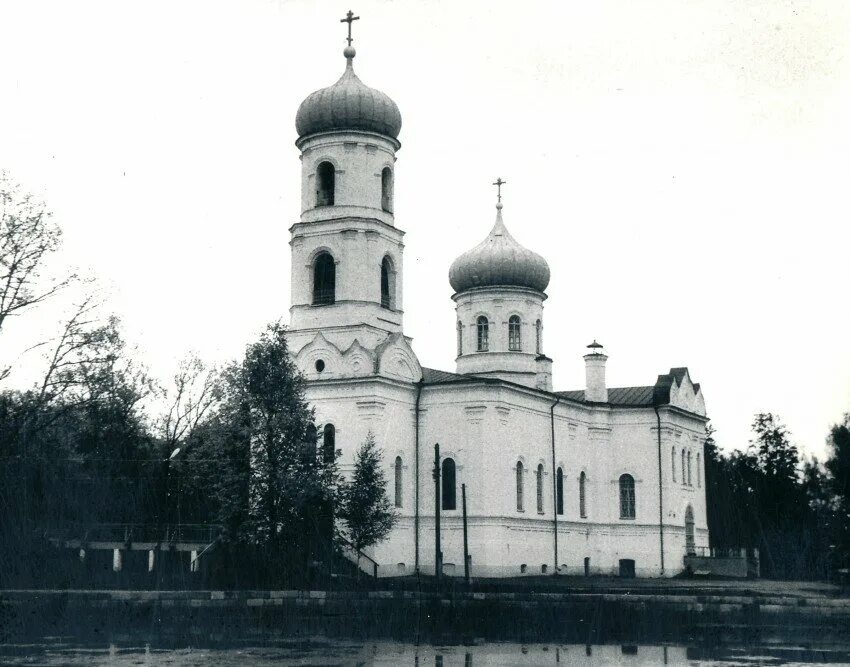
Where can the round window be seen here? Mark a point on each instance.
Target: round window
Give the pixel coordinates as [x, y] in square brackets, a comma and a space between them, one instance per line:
[320, 365]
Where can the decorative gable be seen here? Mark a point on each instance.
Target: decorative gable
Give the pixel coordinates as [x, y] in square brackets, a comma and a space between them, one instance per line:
[358, 361]
[396, 359]
[684, 393]
[320, 359]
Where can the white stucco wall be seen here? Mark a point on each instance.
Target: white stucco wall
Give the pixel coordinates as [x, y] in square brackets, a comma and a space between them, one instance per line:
[486, 429]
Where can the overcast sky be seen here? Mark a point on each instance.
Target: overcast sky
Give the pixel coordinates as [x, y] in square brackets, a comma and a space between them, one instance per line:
[682, 166]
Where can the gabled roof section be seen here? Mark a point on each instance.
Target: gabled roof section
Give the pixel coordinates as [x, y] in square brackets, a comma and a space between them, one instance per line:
[676, 388]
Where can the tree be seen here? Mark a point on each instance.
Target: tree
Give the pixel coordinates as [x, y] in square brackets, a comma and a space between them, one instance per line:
[194, 393]
[777, 456]
[837, 466]
[27, 237]
[838, 463]
[75, 448]
[767, 498]
[270, 486]
[366, 512]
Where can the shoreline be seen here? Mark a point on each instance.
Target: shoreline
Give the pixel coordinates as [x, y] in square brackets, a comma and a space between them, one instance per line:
[603, 613]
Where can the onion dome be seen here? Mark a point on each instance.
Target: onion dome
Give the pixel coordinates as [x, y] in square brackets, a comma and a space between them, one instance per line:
[499, 261]
[349, 104]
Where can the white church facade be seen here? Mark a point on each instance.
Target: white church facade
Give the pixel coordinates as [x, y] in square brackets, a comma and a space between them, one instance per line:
[598, 480]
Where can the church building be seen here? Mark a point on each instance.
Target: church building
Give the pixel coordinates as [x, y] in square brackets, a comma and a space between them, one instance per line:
[597, 480]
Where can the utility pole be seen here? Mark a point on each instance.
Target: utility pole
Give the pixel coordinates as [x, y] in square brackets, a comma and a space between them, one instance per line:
[465, 542]
[438, 554]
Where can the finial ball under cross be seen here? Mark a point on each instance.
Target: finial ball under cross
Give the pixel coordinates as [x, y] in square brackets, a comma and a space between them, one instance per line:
[499, 183]
[349, 19]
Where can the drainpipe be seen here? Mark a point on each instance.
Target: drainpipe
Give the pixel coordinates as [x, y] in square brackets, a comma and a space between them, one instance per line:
[554, 479]
[660, 491]
[416, 477]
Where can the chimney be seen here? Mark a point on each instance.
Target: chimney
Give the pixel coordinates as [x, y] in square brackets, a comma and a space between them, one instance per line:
[594, 363]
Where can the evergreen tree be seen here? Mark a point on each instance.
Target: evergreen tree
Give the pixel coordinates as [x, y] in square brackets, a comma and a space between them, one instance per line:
[366, 512]
[838, 468]
[271, 490]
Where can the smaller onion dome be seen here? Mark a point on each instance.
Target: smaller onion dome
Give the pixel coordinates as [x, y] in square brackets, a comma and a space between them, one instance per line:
[349, 104]
[499, 261]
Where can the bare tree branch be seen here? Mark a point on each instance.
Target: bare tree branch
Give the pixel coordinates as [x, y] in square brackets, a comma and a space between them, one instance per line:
[27, 237]
[194, 394]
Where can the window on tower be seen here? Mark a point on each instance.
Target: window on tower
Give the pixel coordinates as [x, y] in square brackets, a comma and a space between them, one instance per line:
[329, 443]
[387, 283]
[325, 184]
[514, 334]
[539, 330]
[459, 338]
[483, 334]
[324, 280]
[387, 189]
[309, 448]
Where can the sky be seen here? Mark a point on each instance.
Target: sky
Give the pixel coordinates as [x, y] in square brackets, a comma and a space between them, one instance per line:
[682, 167]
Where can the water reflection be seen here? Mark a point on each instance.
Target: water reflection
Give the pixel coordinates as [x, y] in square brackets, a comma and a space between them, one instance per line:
[66, 651]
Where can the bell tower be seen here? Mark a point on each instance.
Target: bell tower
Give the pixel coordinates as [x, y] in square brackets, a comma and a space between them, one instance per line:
[347, 253]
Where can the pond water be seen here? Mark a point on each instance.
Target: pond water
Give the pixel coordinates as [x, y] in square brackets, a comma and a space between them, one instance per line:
[319, 651]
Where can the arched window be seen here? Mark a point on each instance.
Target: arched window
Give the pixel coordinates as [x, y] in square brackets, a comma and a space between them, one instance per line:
[538, 327]
[689, 469]
[514, 334]
[673, 461]
[387, 283]
[699, 476]
[690, 542]
[325, 184]
[627, 497]
[519, 489]
[459, 338]
[310, 437]
[483, 334]
[540, 488]
[329, 443]
[684, 478]
[582, 494]
[559, 491]
[449, 483]
[398, 481]
[324, 280]
[387, 189]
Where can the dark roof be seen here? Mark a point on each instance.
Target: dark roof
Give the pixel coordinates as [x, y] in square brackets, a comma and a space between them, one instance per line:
[616, 395]
[661, 390]
[433, 376]
[647, 396]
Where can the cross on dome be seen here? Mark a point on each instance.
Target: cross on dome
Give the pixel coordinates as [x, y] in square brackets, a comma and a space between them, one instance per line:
[349, 19]
[499, 183]
[348, 104]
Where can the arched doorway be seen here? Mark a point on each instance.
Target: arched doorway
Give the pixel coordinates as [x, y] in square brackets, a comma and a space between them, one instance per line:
[690, 542]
